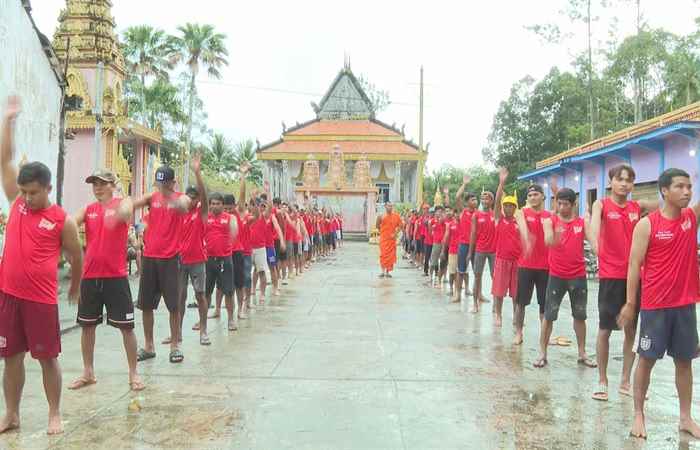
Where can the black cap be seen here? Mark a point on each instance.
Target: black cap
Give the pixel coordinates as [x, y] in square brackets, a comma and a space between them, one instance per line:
[165, 174]
[536, 188]
[191, 191]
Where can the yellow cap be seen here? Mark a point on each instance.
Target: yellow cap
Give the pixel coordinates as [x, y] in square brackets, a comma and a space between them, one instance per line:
[512, 199]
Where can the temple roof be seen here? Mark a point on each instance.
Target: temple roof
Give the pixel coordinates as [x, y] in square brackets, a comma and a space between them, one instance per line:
[358, 147]
[345, 99]
[343, 127]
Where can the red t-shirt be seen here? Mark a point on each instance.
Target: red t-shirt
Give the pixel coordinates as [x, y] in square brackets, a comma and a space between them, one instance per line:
[453, 226]
[105, 241]
[218, 235]
[422, 228]
[539, 258]
[257, 232]
[465, 227]
[615, 240]
[428, 234]
[566, 256]
[439, 229]
[192, 244]
[670, 276]
[162, 236]
[507, 239]
[29, 266]
[485, 232]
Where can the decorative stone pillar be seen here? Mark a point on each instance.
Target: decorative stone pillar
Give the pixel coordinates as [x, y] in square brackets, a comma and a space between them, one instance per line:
[396, 189]
[284, 191]
[371, 211]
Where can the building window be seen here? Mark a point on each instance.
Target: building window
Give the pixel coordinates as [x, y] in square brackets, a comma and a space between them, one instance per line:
[383, 196]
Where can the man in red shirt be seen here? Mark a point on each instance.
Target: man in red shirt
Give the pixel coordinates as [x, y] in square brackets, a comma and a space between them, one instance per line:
[161, 274]
[450, 247]
[505, 276]
[533, 264]
[259, 214]
[612, 221]
[36, 233]
[465, 224]
[483, 232]
[438, 233]
[564, 233]
[105, 282]
[665, 244]
[420, 229]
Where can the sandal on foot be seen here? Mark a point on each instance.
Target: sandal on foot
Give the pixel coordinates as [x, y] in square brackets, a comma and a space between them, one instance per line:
[137, 386]
[143, 355]
[81, 382]
[540, 363]
[601, 394]
[195, 327]
[204, 340]
[176, 356]
[587, 362]
[166, 341]
[627, 392]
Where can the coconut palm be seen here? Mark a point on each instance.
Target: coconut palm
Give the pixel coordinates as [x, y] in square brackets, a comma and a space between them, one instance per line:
[147, 52]
[199, 47]
[244, 151]
[219, 157]
[163, 104]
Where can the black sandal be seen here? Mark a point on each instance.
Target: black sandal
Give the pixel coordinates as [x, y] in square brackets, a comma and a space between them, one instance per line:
[143, 355]
[176, 356]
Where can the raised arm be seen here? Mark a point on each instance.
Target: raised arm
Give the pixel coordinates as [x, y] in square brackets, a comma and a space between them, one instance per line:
[502, 177]
[201, 188]
[549, 235]
[233, 227]
[125, 212]
[244, 168]
[640, 243]
[524, 235]
[594, 226]
[143, 201]
[554, 188]
[74, 253]
[472, 237]
[460, 192]
[7, 168]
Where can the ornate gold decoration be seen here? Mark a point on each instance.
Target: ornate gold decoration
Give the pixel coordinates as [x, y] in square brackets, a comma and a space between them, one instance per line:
[78, 87]
[383, 177]
[293, 156]
[336, 169]
[121, 168]
[312, 172]
[437, 200]
[361, 177]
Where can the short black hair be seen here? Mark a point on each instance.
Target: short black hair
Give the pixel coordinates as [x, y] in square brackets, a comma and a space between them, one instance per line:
[439, 208]
[536, 188]
[667, 176]
[34, 171]
[263, 196]
[616, 171]
[469, 195]
[229, 199]
[276, 201]
[216, 196]
[567, 194]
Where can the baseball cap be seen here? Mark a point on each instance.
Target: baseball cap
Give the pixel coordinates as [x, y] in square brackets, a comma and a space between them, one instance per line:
[536, 188]
[102, 174]
[165, 174]
[191, 191]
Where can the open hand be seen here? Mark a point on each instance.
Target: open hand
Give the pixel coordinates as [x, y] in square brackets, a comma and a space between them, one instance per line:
[74, 295]
[502, 175]
[196, 162]
[13, 107]
[466, 179]
[244, 168]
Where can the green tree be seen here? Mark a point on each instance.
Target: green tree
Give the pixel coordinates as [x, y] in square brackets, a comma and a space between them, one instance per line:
[244, 151]
[199, 47]
[379, 98]
[219, 157]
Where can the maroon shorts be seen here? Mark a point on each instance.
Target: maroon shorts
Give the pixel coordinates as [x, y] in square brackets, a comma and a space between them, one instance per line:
[28, 326]
[505, 278]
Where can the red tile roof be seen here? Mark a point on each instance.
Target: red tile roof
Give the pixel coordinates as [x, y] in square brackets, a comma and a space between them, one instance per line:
[368, 147]
[343, 128]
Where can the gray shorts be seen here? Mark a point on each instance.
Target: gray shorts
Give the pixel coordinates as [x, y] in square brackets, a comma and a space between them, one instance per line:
[194, 273]
[480, 262]
[577, 289]
[435, 255]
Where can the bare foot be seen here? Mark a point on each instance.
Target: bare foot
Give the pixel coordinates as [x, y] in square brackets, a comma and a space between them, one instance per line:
[136, 384]
[8, 423]
[639, 429]
[540, 362]
[690, 427]
[55, 425]
[497, 321]
[518, 339]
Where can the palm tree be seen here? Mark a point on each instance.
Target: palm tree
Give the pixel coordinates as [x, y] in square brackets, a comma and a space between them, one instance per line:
[163, 104]
[219, 158]
[199, 47]
[244, 151]
[147, 51]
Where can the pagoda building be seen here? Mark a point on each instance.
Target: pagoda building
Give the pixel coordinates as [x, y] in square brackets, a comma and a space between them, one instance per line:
[345, 159]
[86, 41]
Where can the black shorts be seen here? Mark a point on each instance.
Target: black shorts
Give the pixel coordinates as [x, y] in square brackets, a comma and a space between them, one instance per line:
[327, 239]
[577, 288]
[113, 294]
[281, 255]
[219, 275]
[159, 277]
[238, 270]
[419, 246]
[669, 330]
[612, 296]
[529, 280]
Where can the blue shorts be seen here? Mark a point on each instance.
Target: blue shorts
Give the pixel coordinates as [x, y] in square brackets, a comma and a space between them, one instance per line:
[462, 263]
[271, 257]
[668, 330]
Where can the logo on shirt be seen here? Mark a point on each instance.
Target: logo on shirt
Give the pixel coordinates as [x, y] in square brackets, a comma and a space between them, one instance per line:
[685, 226]
[110, 213]
[22, 209]
[664, 235]
[45, 224]
[578, 229]
[92, 215]
[156, 205]
[633, 216]
[614, 215]
[645, 343]
[531, 219]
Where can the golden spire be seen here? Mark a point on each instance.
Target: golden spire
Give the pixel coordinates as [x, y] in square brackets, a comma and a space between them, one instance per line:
[437, 201]
[90, 26]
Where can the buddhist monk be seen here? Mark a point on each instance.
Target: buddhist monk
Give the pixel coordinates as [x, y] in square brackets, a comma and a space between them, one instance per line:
[388, 225]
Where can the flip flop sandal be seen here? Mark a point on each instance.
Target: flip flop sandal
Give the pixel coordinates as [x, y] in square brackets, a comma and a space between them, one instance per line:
[540, 363]
[143, 355]
[232, 326]
[629, 393]
[204, 340]
[137, 386]
[176, 356]
[167, 340]
[587, 362]
[601, 394]
[195, 327]
[80, 383]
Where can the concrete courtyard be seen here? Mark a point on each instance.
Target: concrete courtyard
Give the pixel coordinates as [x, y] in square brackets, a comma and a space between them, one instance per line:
[345, 360]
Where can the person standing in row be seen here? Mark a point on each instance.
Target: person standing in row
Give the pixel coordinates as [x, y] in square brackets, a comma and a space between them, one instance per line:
[483, 232]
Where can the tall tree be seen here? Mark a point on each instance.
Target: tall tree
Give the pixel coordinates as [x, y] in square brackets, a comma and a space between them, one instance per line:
[378, 98]
[244, 151]
[147, 52]
[199, 47]
[218, 158]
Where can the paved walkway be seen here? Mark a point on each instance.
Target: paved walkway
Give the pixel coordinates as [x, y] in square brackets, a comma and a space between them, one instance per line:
[345, 360]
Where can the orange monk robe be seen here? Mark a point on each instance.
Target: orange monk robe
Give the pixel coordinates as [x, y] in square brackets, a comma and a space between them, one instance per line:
[387, 240]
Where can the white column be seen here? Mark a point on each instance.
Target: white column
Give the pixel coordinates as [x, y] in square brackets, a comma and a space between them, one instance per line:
[396, 189]
[285, 181]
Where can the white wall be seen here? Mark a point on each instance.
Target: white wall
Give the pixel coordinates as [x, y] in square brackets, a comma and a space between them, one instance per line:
[25, 71]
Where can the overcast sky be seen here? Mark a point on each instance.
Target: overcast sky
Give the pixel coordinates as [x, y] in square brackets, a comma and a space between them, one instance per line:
[472, 52]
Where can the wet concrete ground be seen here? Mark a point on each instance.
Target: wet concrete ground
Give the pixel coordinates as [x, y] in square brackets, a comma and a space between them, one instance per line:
[344, 360]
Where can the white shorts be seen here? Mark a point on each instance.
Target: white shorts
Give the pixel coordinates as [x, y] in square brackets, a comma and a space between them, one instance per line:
[260, 260]
[337, 234]
[306, 245]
